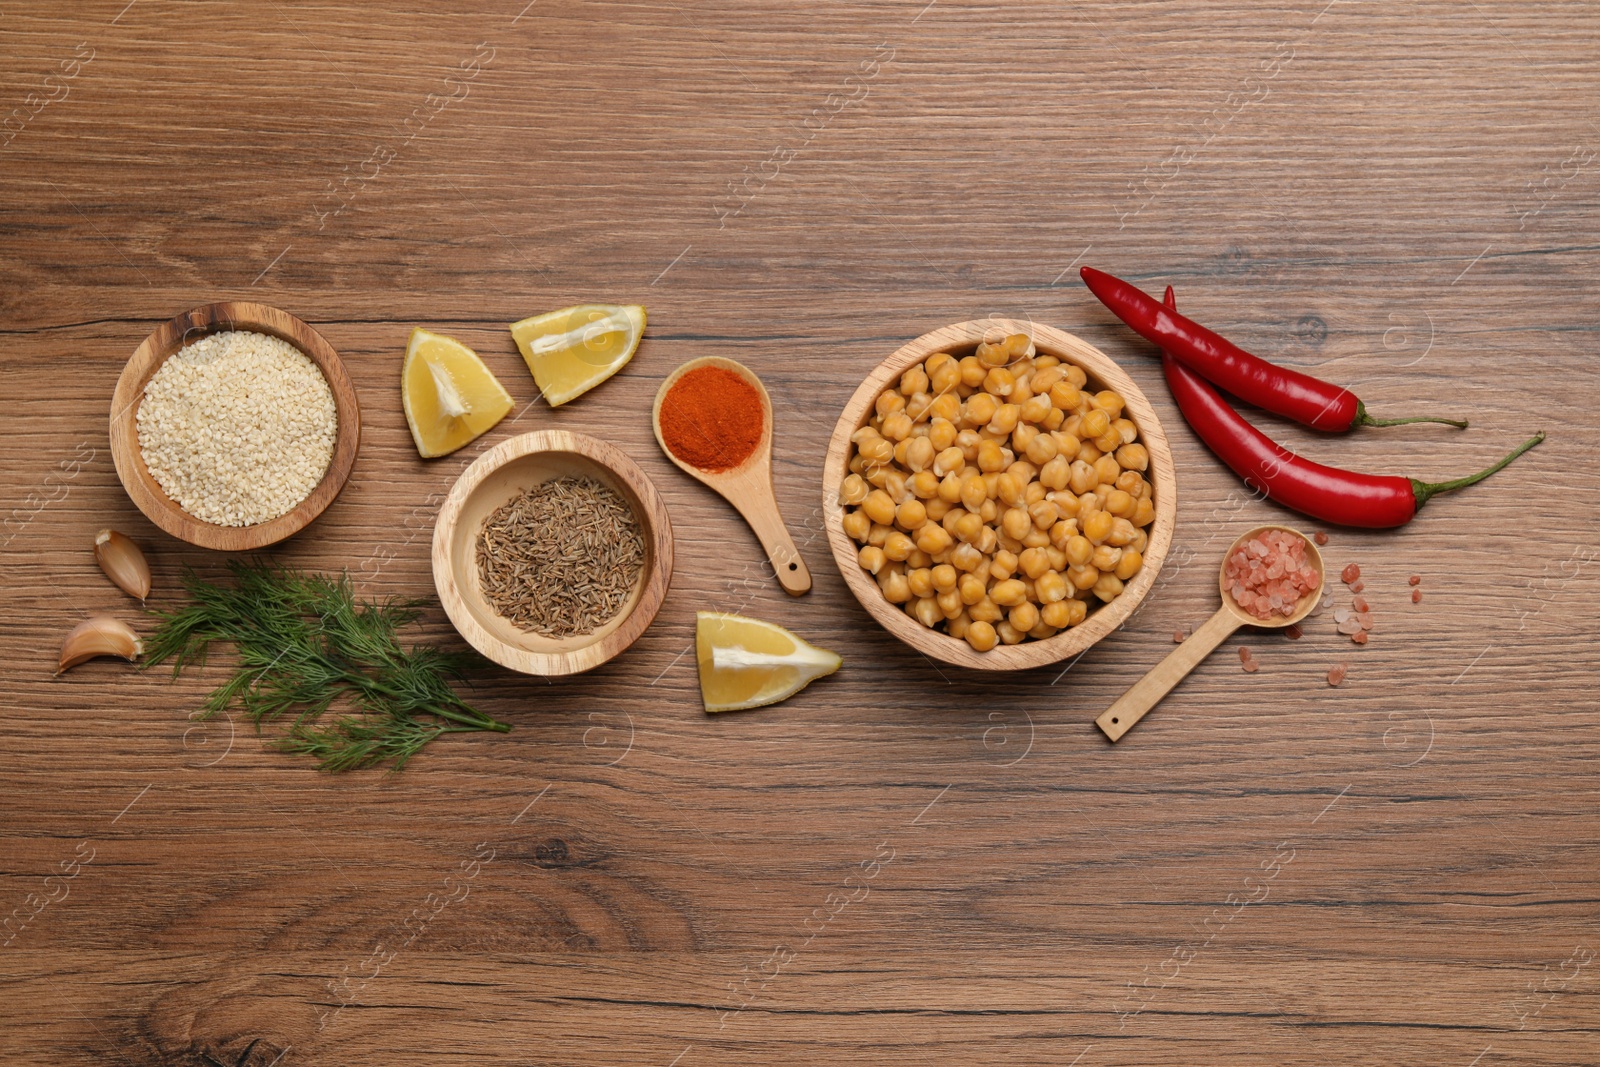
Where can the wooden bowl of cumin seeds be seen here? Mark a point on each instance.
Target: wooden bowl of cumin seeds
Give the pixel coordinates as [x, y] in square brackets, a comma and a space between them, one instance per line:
[552, 553]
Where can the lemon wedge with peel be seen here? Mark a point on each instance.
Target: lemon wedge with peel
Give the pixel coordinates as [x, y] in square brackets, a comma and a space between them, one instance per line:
[449, 396]
[747, 663]
[575, 349]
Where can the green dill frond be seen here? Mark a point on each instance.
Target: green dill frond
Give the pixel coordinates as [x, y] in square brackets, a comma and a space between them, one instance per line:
[304, 642]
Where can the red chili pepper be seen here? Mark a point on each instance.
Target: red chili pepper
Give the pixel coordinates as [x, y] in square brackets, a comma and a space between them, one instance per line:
[1338, 496]
[1307, 400]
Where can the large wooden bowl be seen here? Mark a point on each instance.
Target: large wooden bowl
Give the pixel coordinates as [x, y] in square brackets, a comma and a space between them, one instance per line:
[502, 473]
[960, 340]
[187, 328]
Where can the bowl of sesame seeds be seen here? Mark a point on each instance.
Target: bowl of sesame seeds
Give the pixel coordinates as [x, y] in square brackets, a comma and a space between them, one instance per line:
[552, 553]
[234, 425]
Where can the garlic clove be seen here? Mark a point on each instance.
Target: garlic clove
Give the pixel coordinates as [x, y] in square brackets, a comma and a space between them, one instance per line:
[123, 563]
[99, 636]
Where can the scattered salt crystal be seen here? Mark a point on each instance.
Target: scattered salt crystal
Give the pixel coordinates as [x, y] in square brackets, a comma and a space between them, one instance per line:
[1245, 653]
[1359, 638]
[1177, 637]
[1320, 538]
[1250, 666]
[1350, 626]
[1359, 585]
[1360, 603]
[1365, 619]
[1293, 632]
[1416, 596]
[1343, 615]
[1351, 572]
[1336, 673]
[1415, 579]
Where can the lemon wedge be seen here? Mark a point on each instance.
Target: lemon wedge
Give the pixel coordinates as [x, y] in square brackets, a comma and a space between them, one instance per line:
[747, 663]
[450, 397]
[575, 349]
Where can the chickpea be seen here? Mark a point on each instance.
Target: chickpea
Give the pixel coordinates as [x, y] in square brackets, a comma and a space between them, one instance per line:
[945, 406]
[879, 534]
[1118, 503]
[1044, 514]
[1008, 593]
[1005, 420]
[897, 546]
[918, 560]
[968, 441]
[1126, 430]
[943, 577]
[1056, 613]
[1009, 635]
[1053, 419]
[980, 409]
[1109, 441]
[919, 454]
[1065, 503]
[1144, 512]
[1095, 423]
[985, 610]
[1122, 533]
[924, 485]
[917, 406]
[857, 526]
[1064, 396]
[999, 382]
[1140, 542]
[1106, 557]
[1062, 532]
[879, 507]
[926, 611]
[949, 486]
[911, 515]
[1036, 538]
[1016, 523]
[933, 538]
[1056, 473]
[1082, 477]
[1097, 527]
[957, 627]
[1129, 564]
[1024, 616]
[1088, 453]
[1022, 436]
[1106, 467]
[950, 604]
[993, 355]
[965, 557]
[1107, 587]
[920, 582]
[972, 589]
[1058, 558]
[991, 457]
[944, 376]
[914, 381]
[967, 527]
[889, 404]
[876, 449]
[1033, 494]
[981, 635]
[1036, 408]
[1004, 565]
[988, 540]
[1050, 587]
[974, 491]
[1034, 562]
[1079, 549]
[896, 427]
[1109, 402]
[950, 461]
[972, 371]
[1083, 577]
[989, 510]
[1045, 377]
[937, 509]
[871, 559]
[1041, 451]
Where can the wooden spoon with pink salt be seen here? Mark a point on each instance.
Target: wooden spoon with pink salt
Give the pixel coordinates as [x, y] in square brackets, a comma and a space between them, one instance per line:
[1271, 577]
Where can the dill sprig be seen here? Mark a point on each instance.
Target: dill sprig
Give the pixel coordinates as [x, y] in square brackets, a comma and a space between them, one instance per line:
[304, 642]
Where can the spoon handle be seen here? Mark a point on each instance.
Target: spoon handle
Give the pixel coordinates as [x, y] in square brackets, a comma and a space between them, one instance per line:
[755, 500]
[1132, 706]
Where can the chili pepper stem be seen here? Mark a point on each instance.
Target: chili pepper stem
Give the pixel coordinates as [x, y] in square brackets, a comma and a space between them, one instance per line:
[1424, 490]
[1364, 419]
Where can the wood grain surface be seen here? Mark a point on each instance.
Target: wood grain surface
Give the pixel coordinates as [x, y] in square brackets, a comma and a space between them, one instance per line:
[906, 864]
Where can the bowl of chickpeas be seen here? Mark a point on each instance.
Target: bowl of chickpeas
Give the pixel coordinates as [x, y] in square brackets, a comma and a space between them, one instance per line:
[999, 494]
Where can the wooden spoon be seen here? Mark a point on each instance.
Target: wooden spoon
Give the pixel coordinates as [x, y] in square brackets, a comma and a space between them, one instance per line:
[1132, 706]
[748, 487]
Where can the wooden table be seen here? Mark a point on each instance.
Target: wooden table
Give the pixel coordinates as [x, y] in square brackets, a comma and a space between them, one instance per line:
[905, 864]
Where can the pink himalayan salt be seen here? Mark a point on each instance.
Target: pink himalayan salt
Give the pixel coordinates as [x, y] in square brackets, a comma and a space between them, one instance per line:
[1268, 574]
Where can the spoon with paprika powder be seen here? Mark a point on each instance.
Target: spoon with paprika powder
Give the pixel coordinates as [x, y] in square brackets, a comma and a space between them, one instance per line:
[713, 418]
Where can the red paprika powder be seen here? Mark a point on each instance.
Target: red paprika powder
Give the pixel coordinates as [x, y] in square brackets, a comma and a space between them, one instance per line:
[712, 419]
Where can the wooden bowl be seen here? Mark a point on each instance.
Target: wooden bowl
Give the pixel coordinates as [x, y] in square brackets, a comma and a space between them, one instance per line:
[960, 340]
[167, 339]
[494, 478]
